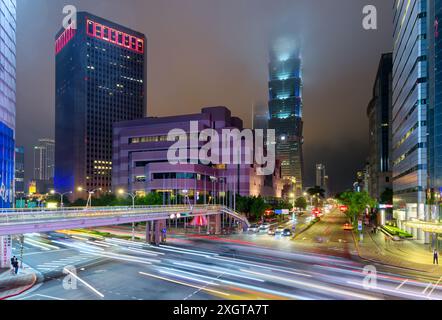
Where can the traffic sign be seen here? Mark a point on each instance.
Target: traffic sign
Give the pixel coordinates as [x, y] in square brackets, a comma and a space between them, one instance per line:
[360, 225]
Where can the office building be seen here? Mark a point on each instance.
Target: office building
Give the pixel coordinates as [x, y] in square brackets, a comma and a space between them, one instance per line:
[44, 160]
[379, 113]
[320, 176]
[7, 101]
[19, 173]
[141, 165]
[414, 31]
[100, 80]
[285, 111]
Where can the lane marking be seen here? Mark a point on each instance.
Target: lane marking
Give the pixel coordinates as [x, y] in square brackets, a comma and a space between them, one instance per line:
[435, 286]
[84, 282]
[425, 290]
[400, 286]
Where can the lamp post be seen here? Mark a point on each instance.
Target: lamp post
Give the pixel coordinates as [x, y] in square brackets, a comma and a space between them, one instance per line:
[90, 193]
[133, 196]
[53, 192]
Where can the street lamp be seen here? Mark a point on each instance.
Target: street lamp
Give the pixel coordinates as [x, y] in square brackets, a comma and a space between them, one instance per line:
[90, 193]
[53, 192]
[292, 196]
[133, 196]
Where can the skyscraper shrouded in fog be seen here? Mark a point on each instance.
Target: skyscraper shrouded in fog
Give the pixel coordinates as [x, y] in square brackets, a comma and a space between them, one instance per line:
[100, 80]
[285, 109]
[7, 100]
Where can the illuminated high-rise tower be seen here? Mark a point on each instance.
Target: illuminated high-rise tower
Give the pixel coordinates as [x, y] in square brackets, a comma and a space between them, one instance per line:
[7, 100]
[100, 80]
[285, 110]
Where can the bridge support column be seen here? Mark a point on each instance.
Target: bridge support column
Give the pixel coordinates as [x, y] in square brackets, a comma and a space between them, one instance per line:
[5, 251]
[215, 223]
[157, 235]
[148, 232]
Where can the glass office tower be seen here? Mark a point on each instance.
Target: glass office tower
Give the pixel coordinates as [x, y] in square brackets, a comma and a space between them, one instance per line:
[285, 111]
[411, 100]
[7, 100]
[100, 80]
[434, 191]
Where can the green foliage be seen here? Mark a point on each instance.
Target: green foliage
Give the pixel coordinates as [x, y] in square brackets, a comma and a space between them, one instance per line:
[301, 203]
[397, 232]
[316, 191]
[356, 202]
[258, 207]
[387, 196]
[151, 199]
[78, 203]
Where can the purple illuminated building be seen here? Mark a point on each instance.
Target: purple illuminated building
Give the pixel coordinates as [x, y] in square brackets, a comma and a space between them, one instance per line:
[140, 163]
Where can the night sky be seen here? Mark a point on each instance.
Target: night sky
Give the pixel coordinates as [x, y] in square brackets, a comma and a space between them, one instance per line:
[215, 52]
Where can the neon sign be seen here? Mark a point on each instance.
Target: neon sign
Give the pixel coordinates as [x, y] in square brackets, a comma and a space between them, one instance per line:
[114, 36]
[64, 39]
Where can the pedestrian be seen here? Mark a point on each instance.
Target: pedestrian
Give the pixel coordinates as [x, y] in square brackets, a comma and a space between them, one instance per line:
[15, 266]
[435, 257]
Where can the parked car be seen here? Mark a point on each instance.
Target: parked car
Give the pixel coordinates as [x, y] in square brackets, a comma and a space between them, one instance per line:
[271, 231]
[286, 233]
[254, 228]
[279, 231]
[264, 227]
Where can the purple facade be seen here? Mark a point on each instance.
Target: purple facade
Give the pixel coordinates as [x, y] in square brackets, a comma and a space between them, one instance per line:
[140, 163]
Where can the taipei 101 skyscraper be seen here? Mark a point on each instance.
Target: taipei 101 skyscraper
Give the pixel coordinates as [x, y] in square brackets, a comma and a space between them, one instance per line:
[285, 111]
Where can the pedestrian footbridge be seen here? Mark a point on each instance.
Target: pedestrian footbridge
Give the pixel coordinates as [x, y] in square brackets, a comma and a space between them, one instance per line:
[17, 222]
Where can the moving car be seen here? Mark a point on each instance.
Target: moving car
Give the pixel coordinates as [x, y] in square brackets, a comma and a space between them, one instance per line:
[271, 231]
[348, 227]
[253, 228]
[286, 233]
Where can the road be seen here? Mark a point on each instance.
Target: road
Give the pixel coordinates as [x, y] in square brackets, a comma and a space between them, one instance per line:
[320, 264]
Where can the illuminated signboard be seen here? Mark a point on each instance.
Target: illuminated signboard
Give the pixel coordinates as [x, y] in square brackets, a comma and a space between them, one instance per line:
[114, 36]
[6, 249]
[64, 39]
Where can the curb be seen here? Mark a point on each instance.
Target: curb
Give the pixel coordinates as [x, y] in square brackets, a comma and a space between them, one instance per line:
[23, 290]
[380, 262]
[305, 229]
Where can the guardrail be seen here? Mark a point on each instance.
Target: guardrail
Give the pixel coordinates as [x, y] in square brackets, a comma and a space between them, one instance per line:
[39, 216]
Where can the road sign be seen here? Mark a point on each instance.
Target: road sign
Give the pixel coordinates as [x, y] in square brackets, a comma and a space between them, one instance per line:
[278, 211]
[164, 230]
[360, 225]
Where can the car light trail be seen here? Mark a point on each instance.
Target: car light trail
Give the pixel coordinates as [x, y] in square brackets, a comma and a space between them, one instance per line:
[314, 286]
[40, 245]
[184, 284]
[261, 265]
[234, 285]
[84, 282]
[216, 270]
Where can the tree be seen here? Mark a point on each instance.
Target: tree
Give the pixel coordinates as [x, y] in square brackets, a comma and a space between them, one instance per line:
[258, 207]
[356, 202]
[316, 191]
[243, 204]
[387, 196]
[151, 199]
[301, 203]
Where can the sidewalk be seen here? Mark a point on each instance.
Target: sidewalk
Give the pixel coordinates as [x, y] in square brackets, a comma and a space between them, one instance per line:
[404, 254]
[13, 285]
